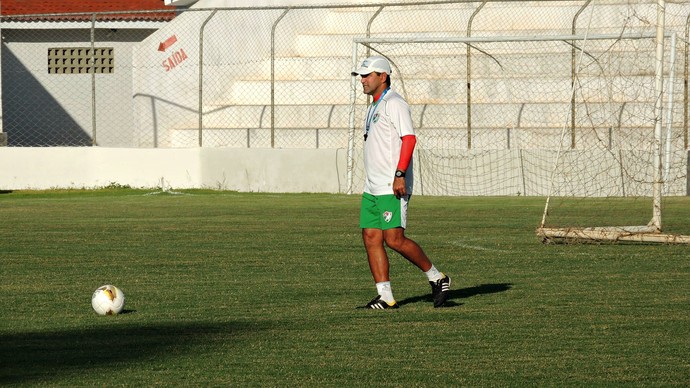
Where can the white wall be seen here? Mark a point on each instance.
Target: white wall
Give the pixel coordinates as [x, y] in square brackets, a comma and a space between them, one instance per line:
[61, 103]
[247, 170]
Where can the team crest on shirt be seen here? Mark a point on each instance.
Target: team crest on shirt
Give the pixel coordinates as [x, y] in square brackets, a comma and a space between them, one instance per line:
[376, 118]
[387, 216]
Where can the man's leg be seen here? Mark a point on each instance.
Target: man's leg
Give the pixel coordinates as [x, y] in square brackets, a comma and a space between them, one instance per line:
[376, 253]
[440, 283]
[409, 249]
[379, 266]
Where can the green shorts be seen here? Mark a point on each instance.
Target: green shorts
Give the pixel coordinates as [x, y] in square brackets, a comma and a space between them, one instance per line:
[383, 211]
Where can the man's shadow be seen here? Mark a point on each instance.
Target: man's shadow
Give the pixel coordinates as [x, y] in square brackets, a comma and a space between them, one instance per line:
[454, 295]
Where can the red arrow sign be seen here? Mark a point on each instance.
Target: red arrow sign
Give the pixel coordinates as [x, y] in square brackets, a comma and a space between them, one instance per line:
[168, 42]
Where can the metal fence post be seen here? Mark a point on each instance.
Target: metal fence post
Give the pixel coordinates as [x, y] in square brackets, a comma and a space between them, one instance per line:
[94, 141]
[469, 75]
[201, 77]
[686, 103]
[573, 74]
[273, 76]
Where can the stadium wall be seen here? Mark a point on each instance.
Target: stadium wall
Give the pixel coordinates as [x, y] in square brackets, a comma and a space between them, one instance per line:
[246, 170]
[64, 99]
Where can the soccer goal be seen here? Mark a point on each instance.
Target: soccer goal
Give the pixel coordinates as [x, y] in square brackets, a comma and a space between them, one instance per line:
[572, 118]
[633, 158]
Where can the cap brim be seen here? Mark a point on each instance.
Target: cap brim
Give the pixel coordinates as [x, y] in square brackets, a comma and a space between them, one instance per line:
[362, 71]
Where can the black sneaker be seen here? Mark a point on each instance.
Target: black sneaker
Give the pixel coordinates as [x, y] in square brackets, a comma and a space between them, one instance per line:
[440, 289]
[379, 304]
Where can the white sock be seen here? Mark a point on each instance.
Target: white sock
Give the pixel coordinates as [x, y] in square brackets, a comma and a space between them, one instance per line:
[433, 274]
[384, 289]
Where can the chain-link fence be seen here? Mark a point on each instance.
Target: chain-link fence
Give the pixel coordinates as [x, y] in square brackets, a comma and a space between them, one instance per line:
[272, 77]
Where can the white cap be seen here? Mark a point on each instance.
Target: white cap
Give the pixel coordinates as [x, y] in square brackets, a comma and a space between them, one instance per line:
[373, 64]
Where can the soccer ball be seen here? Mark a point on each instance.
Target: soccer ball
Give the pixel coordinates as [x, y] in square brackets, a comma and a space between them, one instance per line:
[108, 300]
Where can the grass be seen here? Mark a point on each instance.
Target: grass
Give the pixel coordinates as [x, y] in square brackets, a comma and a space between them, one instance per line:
[240, 289]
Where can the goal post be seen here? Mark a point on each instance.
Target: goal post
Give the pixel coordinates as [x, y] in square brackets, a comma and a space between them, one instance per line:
[521, 138]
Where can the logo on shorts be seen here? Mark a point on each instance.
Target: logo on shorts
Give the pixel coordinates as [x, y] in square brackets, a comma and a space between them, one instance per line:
[387, 216]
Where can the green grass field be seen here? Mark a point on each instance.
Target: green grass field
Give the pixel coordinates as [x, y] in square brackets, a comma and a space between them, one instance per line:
[231, 289]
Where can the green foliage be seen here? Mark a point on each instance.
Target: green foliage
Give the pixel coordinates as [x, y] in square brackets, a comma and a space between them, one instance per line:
[231, 289]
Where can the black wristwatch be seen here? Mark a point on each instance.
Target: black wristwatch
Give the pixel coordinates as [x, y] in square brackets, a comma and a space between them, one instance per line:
[399, 173]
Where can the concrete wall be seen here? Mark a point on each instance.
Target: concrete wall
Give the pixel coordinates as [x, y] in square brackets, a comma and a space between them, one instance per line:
[324, 171]
[38, 106]
[247, 170]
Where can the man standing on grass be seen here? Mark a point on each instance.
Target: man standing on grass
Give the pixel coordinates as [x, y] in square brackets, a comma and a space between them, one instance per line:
[389, 141]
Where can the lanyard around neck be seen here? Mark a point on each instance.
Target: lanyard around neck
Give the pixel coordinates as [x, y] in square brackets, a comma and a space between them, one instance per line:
[371, 112]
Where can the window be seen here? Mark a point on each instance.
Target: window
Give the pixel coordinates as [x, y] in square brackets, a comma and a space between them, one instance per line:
[78, 60]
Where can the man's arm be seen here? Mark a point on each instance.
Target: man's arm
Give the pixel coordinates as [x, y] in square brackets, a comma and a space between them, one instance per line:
[408, 143]
[406, 150]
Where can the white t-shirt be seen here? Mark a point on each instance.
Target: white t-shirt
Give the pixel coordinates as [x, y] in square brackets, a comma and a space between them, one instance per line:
[391, 121]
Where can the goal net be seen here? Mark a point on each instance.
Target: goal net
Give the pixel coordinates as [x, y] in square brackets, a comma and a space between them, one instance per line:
[572, 118]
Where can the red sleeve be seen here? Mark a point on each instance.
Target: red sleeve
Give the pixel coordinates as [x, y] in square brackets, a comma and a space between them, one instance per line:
[408, 143]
